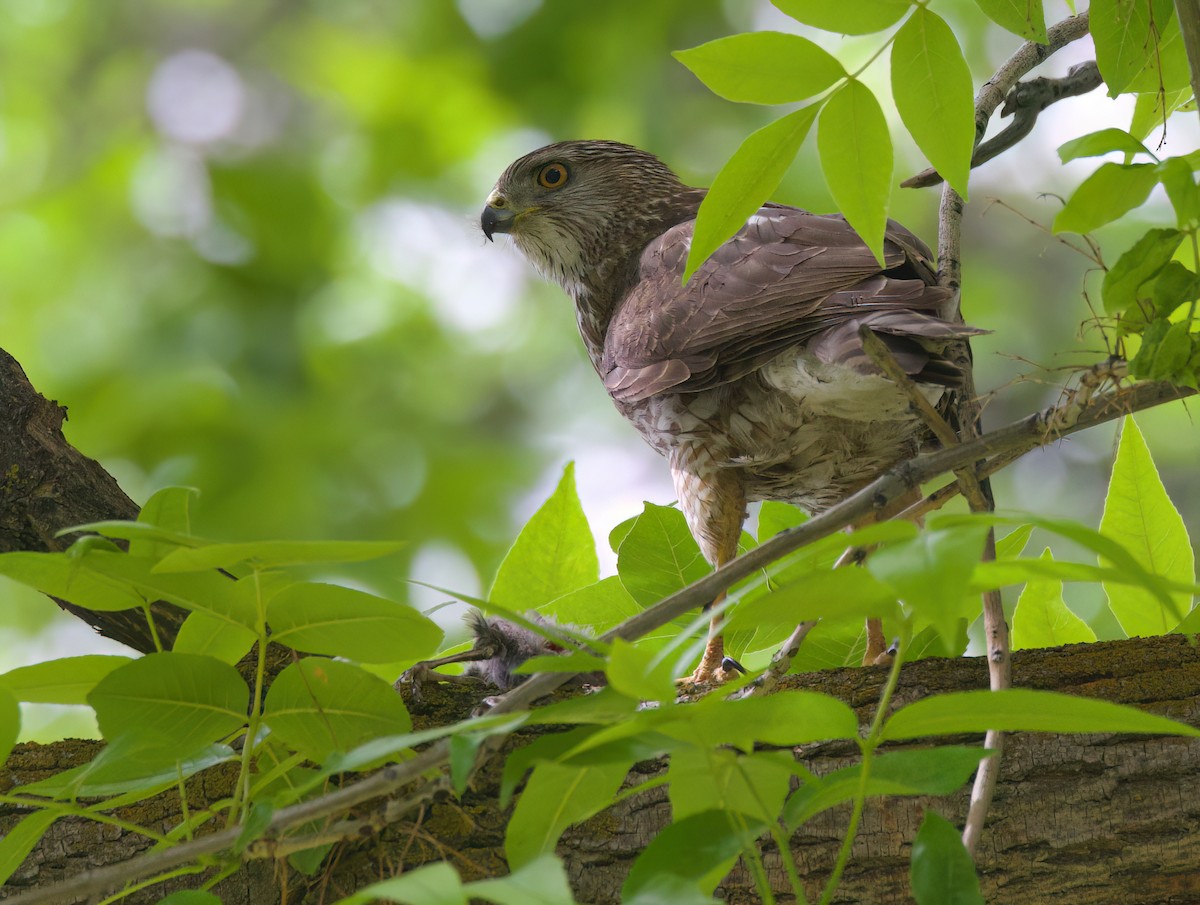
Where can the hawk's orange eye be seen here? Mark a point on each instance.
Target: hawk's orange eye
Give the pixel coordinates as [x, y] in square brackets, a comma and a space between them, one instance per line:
[552, 176]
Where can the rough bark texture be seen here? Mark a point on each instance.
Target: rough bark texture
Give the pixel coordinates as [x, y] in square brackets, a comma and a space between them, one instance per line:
[1079, 820]
[47, 485]
[1082, 820]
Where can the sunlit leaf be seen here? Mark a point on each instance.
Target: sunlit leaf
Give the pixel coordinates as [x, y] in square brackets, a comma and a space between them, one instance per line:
[328, 619]
[932, 87]
[942, 870]
[785, 718]
[858, 18]
[204, 633]
[1042, 619]
[553, 555]
[65, 577]
[320, 706]
[1023, 710]
[856, 158]
[1096, 144]
[1152, 109]
[762, 67]
[1022, 17]
[745, 182]
[1139, 514]
[64, 681]
[753, 784]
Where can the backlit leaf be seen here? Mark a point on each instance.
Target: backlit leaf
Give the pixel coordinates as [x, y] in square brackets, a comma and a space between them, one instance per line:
[553, 555]
[858, 18]
[269, 554]
[745, 182]
[659, 555]
[762, 67]
[856, 158]
[10, 722]
[931, 84]
[64, 681]
[1022, 17]
[1104, 196]
[1095, 144]
[1128, 279]
[1042, 619]
[1139, 514]
[1123, 31]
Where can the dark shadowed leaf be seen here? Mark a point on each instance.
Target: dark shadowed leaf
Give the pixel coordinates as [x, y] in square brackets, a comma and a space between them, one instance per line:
[433, 884]
[10, 722]
[699, 849]
[328, 619]
[542, 881]
[1129, 279]
[319, 706]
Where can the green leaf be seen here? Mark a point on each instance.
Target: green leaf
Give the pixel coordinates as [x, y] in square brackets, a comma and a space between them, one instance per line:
[190, 897]
[762, 67]
[930, 572]
[1096, 144]
[1179, 180]
[665, 889]
[1022, 710]
[1013, 543]
[1166, 353]
[1123, 31]
[1166, 66]
[10, 722]
[1022, 17]
[542, 881]
[837, 594]
[269, 554]
[320, 706]
[433, 884]
[328, 619]
[553, 555]
[635, 672]
[1104, 196]
[931, 83]
[704, 780]
[204, 633]
[942, 870]
[1139, 514]
[129, 769]
[699, 849]
[555, 797]
[856, 157]
[774, 518]
[1042, 618]
[745, 182]
[1175, 285]
[1138, 266]
[920, 771]
[597, 607]
[65, 577]
[659, 555]
[168, 509]
[785, 718]
[64, 681]
[1152, 109]
[19, 841]
[179, 702]
[858, 18]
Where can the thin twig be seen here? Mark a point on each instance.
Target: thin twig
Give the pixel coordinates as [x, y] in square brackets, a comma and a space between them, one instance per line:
[1031, 432]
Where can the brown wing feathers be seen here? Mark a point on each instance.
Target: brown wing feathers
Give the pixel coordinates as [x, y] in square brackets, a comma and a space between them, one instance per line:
[786, 279]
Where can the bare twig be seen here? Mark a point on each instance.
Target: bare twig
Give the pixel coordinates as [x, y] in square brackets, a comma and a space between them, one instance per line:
[1024, 103]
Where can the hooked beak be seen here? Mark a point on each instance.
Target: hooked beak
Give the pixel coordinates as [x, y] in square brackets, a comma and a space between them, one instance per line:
[496, 219]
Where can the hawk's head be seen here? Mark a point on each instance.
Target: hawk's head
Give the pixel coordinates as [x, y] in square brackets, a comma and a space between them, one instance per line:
[577, 209]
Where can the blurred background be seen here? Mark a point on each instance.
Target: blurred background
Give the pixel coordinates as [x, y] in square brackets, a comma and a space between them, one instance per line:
[239, 240]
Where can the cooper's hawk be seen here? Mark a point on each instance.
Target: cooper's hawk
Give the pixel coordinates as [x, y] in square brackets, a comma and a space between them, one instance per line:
[751, 379]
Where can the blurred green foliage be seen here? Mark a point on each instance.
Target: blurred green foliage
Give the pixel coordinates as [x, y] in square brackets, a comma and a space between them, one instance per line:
[239, 241]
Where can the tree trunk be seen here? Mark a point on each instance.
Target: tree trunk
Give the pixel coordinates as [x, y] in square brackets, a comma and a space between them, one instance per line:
[1080, 820]
[1077, 820]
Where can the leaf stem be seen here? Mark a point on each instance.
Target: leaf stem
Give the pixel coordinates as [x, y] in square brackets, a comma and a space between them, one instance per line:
[241, 802]
[868, 746]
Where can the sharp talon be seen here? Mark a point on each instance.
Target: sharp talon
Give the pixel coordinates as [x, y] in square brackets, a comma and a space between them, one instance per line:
[731, 665]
